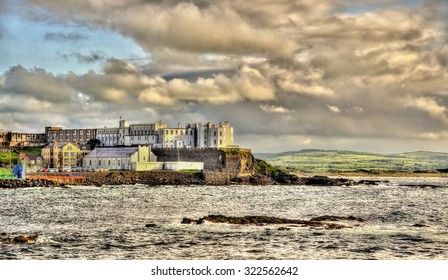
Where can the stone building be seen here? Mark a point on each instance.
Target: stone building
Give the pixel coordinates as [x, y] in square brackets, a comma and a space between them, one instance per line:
[159, 135]
[80, 136]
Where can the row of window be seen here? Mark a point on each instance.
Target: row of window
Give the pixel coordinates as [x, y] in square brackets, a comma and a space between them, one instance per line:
[100, 162]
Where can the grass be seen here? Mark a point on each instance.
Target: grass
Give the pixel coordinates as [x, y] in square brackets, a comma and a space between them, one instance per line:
[334, 161]
[5, 173]
[7, 157]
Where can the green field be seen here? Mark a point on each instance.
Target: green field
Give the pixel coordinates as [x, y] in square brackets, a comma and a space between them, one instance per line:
[325, 161]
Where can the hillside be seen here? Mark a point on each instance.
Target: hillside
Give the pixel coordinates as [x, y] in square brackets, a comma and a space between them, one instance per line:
[322, 161]
[6, 157]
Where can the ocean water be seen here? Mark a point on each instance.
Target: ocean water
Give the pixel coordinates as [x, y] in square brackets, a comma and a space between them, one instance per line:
[109, 222]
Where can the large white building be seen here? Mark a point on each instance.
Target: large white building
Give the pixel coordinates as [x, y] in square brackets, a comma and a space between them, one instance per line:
[191, 135]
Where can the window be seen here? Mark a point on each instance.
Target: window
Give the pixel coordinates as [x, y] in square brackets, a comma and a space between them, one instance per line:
[214, 133]
[73, 154]
[66, 154]
[220, 133]
[214, 141]
[99, 162]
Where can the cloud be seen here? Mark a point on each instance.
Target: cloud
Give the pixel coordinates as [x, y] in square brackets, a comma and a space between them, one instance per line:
[432, 107]
[65, 37]
[91, 58]
[274, 109]
[276, 67]
[333, 109]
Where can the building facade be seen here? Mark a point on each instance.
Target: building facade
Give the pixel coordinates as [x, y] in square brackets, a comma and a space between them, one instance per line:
[13, 139]
[81, 136]
[122, 158]
[62, 155]
[159, 135]
[32, 162]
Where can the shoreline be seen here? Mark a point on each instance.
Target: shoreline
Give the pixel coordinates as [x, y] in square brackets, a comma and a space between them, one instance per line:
[176, 178]
[378, 174]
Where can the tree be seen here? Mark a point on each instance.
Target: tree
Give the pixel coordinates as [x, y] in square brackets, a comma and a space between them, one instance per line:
[93, 143]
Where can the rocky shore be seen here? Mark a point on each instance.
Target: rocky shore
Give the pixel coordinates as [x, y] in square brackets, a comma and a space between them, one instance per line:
[158, 178]
[322, 222]
[27, 183]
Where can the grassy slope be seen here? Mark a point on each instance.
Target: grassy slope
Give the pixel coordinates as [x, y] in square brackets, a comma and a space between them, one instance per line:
[5, 156]
[321, 161]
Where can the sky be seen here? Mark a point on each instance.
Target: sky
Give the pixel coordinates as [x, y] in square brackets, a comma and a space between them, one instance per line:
[366, 75]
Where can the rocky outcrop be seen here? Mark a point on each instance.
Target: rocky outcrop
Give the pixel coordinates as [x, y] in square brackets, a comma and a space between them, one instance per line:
[19, 239]
[336, 218]
[315, 223]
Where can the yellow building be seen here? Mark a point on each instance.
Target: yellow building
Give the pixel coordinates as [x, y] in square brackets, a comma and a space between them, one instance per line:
[62, 155]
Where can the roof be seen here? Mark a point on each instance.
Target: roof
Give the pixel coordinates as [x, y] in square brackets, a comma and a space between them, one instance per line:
[112, 152]
[30, 156]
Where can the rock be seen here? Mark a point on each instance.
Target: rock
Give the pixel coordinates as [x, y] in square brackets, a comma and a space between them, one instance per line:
[283, 228]
[25, 239]
[420, 225]
[326, 181]
[265, 220]
[337, 218]
[187, 221]
[150, 225]
[20, 239]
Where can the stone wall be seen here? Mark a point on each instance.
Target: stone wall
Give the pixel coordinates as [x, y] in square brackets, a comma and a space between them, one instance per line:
[213, 159]
[231, 160]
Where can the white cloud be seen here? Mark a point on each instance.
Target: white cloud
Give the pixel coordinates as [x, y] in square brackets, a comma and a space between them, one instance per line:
[274, 109]
[333, 109]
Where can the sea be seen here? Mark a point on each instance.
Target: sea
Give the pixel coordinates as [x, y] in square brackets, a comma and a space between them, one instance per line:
[405, 218]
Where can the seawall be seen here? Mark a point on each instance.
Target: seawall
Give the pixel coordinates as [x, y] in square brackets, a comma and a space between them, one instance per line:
[234, 160]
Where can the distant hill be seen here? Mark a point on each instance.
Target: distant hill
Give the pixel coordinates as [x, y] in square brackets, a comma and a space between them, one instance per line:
[321, 161]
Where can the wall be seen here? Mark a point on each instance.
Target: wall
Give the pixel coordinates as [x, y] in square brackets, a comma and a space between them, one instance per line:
[232, 160]
[213, 159]
[183, 165]
[146, 166]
